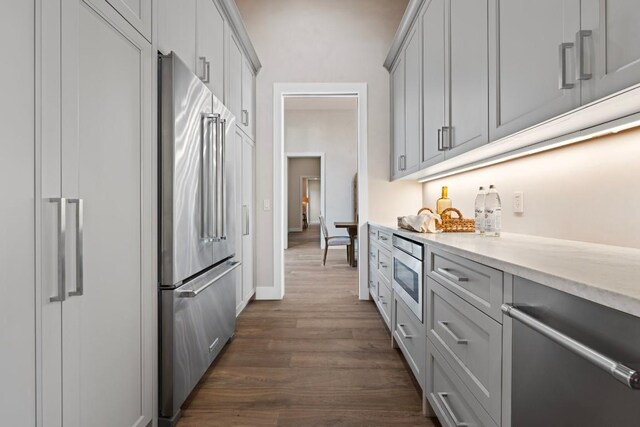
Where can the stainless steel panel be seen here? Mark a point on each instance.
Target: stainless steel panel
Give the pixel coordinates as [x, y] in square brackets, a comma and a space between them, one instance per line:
[183, 101]
[193, 331]
[408, 280]
[551, 385]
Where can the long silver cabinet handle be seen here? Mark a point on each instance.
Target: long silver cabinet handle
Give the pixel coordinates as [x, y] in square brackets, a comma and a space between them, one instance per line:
[245, 117]
[562, 76]
[620, 372]
[457, 339]
[79, 248]
[403, 332]
[206, 65]
[194, 293]
[62, 225]
[449, 275]
[440, 140]
[580, 36]
[444, 398]
[446, 137]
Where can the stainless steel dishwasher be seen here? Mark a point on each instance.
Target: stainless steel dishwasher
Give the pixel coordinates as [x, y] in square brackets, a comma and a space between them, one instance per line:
[574, 362]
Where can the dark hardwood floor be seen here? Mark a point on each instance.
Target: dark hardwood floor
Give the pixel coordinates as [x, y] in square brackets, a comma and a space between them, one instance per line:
[320, 357]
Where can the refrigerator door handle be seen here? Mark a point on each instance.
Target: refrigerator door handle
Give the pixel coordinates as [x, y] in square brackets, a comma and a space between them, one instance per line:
[62, 224]
[205, 189]
[79, 248]
[222, 194]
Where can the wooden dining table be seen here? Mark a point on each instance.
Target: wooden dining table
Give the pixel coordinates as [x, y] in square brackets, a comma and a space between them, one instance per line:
[352, 229]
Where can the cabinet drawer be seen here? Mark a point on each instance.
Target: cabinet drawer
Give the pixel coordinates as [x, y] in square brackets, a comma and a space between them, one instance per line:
[384, 239]
[470, 341]
[409, 334]
[373, 282]
[476, 283]
[384, 264]
[384, 302]
[373, 235]
[449, 398]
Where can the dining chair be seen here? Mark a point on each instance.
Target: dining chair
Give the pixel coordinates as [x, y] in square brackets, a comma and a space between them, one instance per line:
[333, 241]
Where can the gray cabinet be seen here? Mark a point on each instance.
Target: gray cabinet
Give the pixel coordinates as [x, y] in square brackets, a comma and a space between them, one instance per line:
[532, 63]
[609, 47]
[234, 98]
[435, 115]
[467, 29]
[397, 118]
[409, 335]
[413, 98]
[247, 113]
[210, 46]
[245, 167]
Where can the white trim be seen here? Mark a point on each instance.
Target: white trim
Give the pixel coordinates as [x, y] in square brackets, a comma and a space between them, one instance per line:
[285, 168]
[410, 14]
[245, 303]
[280, 91]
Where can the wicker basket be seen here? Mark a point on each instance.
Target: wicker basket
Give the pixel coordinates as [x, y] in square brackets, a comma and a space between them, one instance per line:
[453, 225]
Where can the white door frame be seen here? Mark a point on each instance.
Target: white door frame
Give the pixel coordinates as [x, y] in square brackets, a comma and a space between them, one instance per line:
[280, 91]
[285, 200]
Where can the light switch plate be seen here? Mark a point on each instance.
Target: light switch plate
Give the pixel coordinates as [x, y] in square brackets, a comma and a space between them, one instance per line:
[267, 205]
[518, 202]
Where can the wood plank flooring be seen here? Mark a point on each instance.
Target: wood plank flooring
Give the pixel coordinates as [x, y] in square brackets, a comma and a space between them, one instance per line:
[320, 357]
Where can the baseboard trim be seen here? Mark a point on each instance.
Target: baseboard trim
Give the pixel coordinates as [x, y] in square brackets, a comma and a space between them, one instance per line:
[244, 304]
[268, 293]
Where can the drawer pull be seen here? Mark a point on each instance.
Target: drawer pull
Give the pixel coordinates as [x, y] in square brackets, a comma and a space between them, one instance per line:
[383, 265]
[444, 398]
[384, 238]
[403, 332]
[445, 326]
[381, 298]
[449, 275]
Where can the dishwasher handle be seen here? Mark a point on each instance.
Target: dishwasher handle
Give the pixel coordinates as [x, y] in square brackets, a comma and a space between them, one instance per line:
[619, 371]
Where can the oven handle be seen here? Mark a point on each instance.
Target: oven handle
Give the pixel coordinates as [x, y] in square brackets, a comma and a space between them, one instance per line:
[619, 371]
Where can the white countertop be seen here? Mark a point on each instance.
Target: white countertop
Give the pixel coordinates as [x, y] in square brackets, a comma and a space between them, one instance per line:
[607, 275]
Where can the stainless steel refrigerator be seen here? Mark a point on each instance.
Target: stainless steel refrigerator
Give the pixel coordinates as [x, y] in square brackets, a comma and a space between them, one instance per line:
[196, 231]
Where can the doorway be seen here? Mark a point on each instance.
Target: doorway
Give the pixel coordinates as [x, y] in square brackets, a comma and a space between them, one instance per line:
[282, 92]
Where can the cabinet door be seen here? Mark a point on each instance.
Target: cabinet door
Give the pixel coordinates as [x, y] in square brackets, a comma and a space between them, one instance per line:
[469, 74]
[247, 117]
[248, 220]
[176, 29]
[137, 13]
[239, 218]
[412, 96]
[17, 210]
[235, 79]
[433, 81]
[210, 46]
[611, 52]
[397, 117]
[526, 37]
[107, 318]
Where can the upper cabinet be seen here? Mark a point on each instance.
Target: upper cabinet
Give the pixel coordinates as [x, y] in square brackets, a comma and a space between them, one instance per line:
[533, 67]
[465, 73]
[608, 48]
[209, 36]
[435, 114]
[137, 13]
[247, 115]
[467, 30]
[397, 118]
[210, 46]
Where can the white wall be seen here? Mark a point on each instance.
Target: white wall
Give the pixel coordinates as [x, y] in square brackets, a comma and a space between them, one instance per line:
[298, 167]
[334, 133]
[587, 192]
[325, 41]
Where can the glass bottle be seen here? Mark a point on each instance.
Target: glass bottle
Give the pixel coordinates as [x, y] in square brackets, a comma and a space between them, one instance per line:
[479, 210]
[444, 202]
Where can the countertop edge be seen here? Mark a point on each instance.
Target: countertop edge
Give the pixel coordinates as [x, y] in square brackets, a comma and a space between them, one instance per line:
[616, 300]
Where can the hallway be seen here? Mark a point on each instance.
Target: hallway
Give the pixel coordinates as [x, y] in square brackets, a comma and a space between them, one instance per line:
[320, 357]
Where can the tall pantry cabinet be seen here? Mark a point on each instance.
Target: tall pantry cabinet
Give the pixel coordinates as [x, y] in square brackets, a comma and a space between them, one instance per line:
[95, 221]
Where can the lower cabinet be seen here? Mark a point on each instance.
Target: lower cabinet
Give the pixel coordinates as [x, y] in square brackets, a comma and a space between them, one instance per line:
[384, 300]
[451, 400]
[408, 335]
